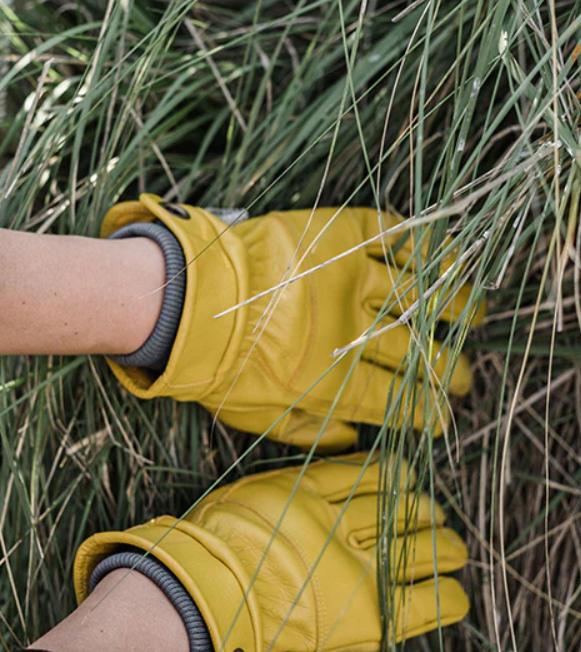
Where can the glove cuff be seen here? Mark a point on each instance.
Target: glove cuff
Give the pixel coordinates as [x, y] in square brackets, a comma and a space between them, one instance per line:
[154, 353]
[216, 278]
[207, 568]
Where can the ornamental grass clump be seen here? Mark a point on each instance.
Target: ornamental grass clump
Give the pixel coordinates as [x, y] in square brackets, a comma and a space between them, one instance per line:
[464, 117]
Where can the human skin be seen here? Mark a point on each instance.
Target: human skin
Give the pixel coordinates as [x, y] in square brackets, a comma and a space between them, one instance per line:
[70, 295]
[126, 612]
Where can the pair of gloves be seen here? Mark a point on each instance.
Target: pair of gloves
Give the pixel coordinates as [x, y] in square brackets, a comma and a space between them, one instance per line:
[286, 560]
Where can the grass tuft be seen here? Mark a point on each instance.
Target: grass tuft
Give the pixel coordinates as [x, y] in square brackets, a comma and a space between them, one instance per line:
[463, 115]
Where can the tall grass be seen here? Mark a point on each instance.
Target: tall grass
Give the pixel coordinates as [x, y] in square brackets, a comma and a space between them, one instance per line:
[463, 115]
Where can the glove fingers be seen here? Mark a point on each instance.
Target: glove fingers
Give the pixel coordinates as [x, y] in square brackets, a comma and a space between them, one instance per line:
[414, 512]
[389, 286]
[413, 554]
[371, 388]
[425, 606]
[302, 429]
[390, 350]
[399, 244]
[397, 291]
[335, 478]
[402, 245]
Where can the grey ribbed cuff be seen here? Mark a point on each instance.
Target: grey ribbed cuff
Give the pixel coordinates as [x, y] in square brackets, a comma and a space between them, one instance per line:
[198, 634]
[154, 353]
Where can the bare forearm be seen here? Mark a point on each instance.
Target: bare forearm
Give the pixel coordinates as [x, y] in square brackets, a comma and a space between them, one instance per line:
[70, 295]
[125, 612]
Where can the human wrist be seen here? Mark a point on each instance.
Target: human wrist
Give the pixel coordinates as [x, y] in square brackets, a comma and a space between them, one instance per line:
[138, 295]
[126, 611]
[154, 352]
[166, 581]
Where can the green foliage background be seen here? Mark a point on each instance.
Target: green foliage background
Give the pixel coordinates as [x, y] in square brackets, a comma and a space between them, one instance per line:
[464, 112]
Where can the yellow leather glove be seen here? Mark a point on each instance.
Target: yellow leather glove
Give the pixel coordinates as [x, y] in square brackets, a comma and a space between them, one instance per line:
[277, 564]
[252, 375]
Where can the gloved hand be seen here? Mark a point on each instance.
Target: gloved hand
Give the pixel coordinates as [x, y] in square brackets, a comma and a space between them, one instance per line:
[251, 379]
[274, 563]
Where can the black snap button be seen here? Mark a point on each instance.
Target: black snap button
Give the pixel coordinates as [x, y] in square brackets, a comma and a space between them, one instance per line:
[176, 210]
[238, 649]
